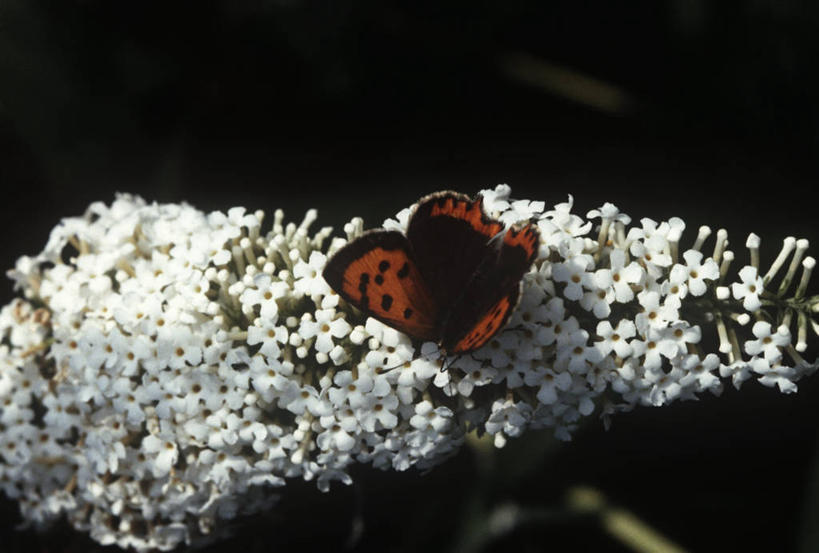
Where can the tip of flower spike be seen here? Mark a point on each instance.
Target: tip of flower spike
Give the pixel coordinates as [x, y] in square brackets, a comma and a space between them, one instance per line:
[753, 241]
[677, 226]
[702, 234]
[309, 217]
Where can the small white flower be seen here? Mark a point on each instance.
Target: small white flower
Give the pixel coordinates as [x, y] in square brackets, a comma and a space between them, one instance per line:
[675, 288]
[739, 371]
[773, 374]
[578, 355]
[427, 416]
[695, 272]
[128, 404]
[309, 281]
[500, 349]
[508, 418]
[335, 437]
[395, 349]
[768, 343]
[657, 345]
[548, 383]
[400, 222]
[574, 273]
[665, 386]
[324, 329]
[496, 201]
[179, 346]
[609, 212]
[265, 294]
[650, 245]
[654, 313]
[622, 276]
[475, 375]
[601, 295]
[561, 230]
[616, 339]
[749, 289]
[164, 453]
[270, 339]
[556, 325]
[378, 410]
[349, 390]
[699, 372]
[299, 400]
[683, 334]
[419, 370]
[521, 211]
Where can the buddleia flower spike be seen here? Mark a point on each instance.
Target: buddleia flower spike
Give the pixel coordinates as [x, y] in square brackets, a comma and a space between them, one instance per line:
[164, 370]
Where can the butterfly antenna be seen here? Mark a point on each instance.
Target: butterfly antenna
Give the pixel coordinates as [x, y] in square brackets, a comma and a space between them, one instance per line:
[388, 369]
[517, 328]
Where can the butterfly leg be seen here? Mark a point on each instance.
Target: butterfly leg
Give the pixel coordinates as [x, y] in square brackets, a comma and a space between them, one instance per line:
[445, 367]
[483, 362]
[518, 328]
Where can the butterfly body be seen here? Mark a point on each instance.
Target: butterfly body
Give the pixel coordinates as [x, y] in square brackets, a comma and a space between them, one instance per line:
[453, 278]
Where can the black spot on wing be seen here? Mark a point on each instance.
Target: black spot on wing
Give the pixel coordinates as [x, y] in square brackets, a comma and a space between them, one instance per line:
[379, 280]
[386, 302]
[363, 282]
[383, 266]
[403, 272]
[407, 313]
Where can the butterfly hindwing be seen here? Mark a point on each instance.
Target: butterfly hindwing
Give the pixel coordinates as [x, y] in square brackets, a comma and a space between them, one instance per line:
[487, 325]
[490, 296]
[378, 274]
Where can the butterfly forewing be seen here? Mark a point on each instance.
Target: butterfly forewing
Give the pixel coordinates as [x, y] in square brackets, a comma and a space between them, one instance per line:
[449, 235]
[378, 274]
[520, 245]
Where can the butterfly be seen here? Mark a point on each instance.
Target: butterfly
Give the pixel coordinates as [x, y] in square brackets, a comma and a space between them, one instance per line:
[453, 278]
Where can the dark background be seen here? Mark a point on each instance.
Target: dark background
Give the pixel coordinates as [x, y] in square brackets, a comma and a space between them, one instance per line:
[704, 110]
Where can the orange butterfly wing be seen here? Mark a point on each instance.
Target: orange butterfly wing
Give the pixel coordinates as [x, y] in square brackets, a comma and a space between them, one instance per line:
[490, 297]
[378, 274]
[462, 208]
[487, 326]
[454, 278]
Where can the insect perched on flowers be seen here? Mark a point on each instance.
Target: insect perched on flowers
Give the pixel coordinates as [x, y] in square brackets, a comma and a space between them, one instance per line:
[453, 278]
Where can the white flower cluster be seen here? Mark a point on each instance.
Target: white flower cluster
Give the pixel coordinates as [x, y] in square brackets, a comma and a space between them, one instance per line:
[165, 368]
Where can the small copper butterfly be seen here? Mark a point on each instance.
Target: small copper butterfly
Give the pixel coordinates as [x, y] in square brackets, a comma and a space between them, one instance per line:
[453, 278]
